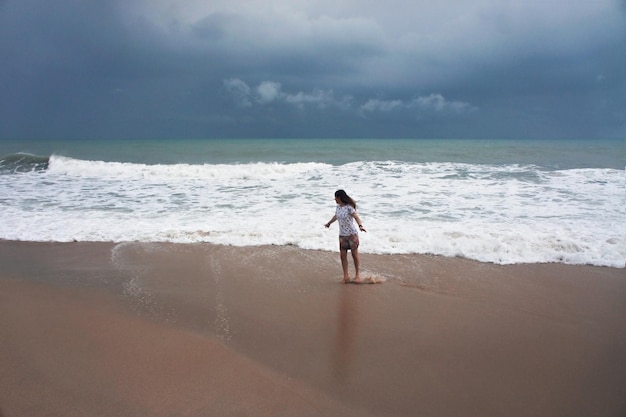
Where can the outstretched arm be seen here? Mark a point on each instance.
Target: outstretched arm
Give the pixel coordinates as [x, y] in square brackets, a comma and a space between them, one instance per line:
[327, 225]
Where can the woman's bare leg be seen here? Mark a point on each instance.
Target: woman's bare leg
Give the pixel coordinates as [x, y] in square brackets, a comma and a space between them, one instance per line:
[357, 265]
[344, 265]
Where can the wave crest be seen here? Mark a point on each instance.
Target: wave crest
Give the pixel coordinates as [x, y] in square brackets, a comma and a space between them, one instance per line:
[62, 165]
[23, 162]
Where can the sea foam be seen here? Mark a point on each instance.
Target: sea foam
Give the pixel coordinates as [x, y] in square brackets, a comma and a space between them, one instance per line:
[494, 213]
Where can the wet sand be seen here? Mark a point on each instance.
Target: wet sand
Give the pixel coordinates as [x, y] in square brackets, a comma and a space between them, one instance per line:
[99, 329]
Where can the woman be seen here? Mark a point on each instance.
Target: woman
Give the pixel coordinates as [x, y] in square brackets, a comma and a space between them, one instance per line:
[348, 234]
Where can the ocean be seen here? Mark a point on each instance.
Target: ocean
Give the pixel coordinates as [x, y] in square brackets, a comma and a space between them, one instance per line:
[499, 201]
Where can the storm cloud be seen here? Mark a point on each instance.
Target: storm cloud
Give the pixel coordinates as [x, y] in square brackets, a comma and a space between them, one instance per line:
[278, 68]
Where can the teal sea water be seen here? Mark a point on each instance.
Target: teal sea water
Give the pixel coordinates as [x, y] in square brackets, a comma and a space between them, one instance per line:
[556, 154]
[499, 201]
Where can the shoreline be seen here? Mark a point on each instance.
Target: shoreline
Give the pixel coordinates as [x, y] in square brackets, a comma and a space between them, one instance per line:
[412, 254]
[200, 329]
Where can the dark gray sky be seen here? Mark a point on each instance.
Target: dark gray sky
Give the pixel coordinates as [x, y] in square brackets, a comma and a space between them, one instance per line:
[317, 68]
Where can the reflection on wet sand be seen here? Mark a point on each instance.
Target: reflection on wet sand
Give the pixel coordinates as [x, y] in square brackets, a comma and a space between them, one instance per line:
[345, 342]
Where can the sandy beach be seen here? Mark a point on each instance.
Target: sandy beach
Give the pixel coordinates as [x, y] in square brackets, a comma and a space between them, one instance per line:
[156, 329]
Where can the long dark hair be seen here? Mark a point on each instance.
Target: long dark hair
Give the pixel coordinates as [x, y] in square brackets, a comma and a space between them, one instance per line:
[345, 198]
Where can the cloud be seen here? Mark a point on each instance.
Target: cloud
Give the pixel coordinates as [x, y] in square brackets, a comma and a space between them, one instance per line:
[239, 91]
[268, 91]
[374, 105]
[271, 92]
[438, 103]
[433, 103]
[318, 98]
[345, 68]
